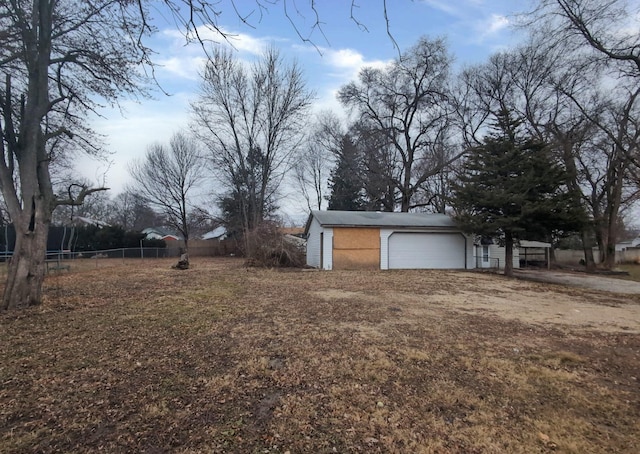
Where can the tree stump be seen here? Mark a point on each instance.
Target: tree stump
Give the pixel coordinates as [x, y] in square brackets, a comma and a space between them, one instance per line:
[183, 263]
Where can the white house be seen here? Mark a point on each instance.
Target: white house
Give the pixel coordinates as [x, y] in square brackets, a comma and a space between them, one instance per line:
[488, 254]
[159, 233]
[377, 240]
[624, 245]
[219, 233]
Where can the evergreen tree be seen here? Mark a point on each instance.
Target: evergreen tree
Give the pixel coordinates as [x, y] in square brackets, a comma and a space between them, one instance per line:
[511, 188]
[345, 183]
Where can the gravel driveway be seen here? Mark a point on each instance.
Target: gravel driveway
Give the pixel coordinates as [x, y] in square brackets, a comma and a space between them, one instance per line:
[581, 280]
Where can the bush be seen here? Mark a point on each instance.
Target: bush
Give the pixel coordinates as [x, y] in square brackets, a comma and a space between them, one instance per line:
[266, 246]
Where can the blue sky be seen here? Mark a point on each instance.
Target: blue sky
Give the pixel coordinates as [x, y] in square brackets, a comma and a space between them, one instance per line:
[473, 29]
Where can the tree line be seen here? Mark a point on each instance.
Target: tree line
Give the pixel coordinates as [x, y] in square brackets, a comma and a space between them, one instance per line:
[415, 130]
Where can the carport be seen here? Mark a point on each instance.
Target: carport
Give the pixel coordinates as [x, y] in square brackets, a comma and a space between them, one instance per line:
[532, 251]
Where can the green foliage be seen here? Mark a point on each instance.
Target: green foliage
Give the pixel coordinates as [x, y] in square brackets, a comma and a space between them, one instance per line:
[344, 183]
[94, 238]
[513, 186]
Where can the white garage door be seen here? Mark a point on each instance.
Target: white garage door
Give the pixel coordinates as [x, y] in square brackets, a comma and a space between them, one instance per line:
[426, 250]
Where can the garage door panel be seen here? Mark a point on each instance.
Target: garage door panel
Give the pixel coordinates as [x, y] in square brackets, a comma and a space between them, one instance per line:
[426, 250]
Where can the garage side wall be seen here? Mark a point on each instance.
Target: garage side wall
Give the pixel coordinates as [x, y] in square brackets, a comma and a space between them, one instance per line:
[497, 256]
[313, 244]
[356, 248]
[327, 248]
[471, 260]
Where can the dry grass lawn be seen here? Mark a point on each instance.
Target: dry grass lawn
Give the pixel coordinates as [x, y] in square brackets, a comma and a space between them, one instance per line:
[137, 357]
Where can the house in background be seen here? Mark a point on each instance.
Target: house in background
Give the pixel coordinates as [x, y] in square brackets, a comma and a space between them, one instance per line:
[382, 240]
[82, 220]
[219, 233]
[159, 233]
[624, 245]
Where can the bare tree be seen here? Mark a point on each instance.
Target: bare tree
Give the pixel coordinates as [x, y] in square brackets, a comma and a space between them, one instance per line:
[407, 102]
[251, 119]
[599, 45]
[97, 207]
[313, 163]
[56, 57]
[131, 211]
[609, 28]
[305, 17]
[167, 177]
[311, 171]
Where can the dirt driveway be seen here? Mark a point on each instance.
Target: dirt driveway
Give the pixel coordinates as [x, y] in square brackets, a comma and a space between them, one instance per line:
[588, 281]
[537, 303]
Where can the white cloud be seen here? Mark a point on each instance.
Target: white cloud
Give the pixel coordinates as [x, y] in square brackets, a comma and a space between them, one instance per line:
[497, 23]
[446, 6]
[345, 64]
[337, 67]
[344, 58]
[183, 67]
[241, 42]
[491, 28]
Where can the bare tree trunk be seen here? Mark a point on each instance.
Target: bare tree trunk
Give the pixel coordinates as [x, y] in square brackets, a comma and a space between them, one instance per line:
[508, 254]
[612, 221]
[609, 260]
[26, 270]
[587, 246]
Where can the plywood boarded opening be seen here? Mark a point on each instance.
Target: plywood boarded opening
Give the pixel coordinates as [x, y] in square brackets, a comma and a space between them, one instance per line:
[356, 248]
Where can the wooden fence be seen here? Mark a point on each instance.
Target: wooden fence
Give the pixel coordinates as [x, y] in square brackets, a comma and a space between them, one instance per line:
[573, 257]
[204, 248]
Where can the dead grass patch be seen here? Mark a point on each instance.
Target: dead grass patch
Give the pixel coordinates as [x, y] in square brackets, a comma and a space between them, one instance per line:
[221, 358]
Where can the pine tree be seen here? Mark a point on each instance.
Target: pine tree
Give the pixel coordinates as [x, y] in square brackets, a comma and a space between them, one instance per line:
[345, 184]
[510, 188]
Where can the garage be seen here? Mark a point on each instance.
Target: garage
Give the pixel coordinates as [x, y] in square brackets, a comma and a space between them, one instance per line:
[383, 240]
[433, 251]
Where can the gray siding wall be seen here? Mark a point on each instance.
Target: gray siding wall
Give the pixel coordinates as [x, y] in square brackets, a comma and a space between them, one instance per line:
[471, 263]
[498, 252]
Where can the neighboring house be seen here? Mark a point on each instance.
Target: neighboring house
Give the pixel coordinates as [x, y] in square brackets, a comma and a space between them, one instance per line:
[219, 233]
[158, 233]
[295, 236]
[376, 240]
[293, 231]
[624, 245]
[80, 220]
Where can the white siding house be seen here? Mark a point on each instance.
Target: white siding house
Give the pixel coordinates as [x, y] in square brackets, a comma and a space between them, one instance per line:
[493, 256]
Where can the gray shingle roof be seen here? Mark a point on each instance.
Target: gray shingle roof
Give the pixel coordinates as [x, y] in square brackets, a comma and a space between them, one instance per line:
[382, 219]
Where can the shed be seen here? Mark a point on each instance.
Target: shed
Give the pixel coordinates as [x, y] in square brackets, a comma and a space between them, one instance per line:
[382, 240]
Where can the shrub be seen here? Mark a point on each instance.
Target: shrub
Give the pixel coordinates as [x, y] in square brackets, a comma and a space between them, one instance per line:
[266, 246]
